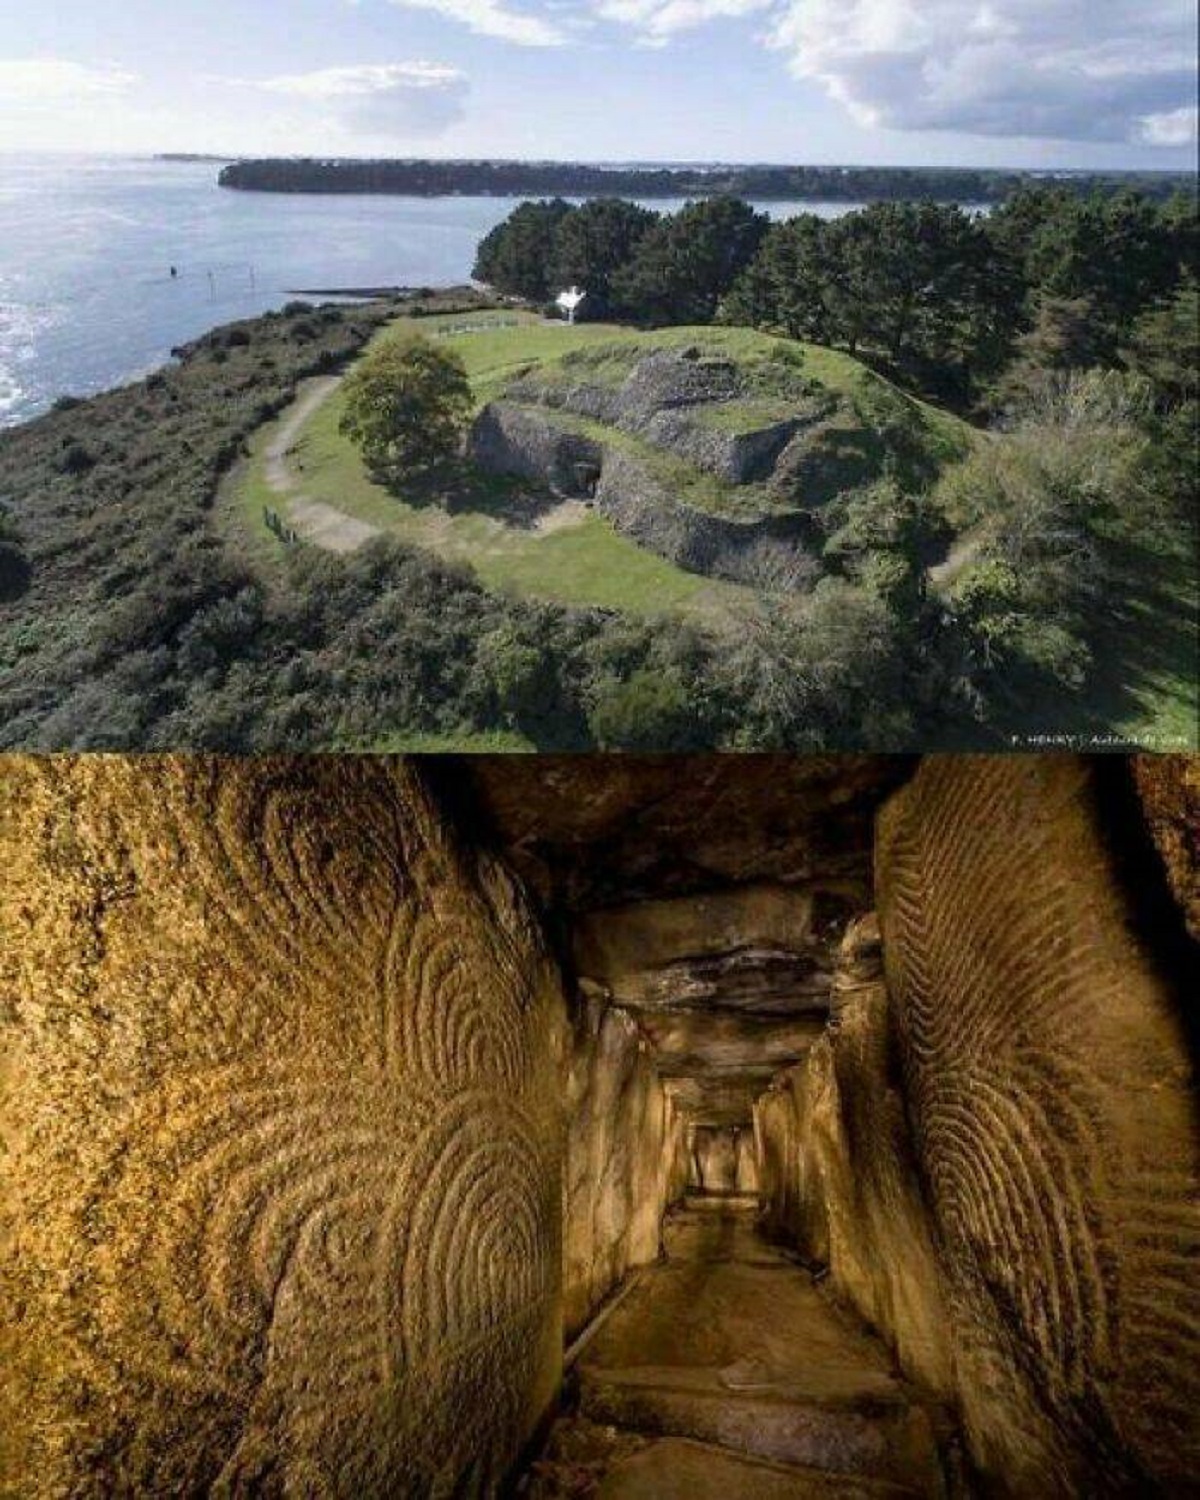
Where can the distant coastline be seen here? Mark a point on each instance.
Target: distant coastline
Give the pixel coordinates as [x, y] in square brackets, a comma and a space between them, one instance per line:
[507, 179]
[191, 156]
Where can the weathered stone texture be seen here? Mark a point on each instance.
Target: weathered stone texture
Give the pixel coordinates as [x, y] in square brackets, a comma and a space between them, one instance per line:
[281, 1120]
[1169, 788]
[837, 1175]
[509, 439]
[721, 1159]
[1048, 1085]
[626, 1159]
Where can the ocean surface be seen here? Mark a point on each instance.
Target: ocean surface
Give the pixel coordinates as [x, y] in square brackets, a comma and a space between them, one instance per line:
[87, 299]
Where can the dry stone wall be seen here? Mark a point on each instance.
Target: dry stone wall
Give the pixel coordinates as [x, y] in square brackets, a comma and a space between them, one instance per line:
[626, 1157]
[281, 1119]
[532, 443]
[510, 439]
[1049, 1090]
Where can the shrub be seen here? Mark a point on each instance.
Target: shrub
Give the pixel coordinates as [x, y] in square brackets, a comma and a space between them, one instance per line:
[75, 459]
[650, 710]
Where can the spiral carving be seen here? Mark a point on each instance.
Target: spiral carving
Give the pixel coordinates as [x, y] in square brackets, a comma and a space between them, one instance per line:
[285, 1174]
[1046, 1081]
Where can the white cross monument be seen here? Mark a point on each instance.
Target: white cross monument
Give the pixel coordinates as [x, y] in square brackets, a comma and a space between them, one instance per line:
[569, 301]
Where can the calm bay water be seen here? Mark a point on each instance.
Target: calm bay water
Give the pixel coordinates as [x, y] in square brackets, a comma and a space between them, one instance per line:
[86, 246]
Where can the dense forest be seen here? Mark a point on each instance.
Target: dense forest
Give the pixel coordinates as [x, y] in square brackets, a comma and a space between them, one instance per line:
[943, 299]
[515, 179]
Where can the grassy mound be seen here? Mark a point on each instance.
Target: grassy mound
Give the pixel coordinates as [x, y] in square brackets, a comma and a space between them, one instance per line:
[850, 425]
[856, 426]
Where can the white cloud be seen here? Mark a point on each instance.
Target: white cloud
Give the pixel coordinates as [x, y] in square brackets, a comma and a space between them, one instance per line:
[491, 18]
[383, 99]
[658, 20]
[1172, 127]
[54, 80]
[1069, 69]
[362, 81]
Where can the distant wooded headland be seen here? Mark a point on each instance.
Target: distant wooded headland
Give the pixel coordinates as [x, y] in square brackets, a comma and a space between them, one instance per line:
[575, 179]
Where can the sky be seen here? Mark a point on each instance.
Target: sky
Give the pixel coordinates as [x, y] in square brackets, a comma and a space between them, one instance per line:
[1032, 83]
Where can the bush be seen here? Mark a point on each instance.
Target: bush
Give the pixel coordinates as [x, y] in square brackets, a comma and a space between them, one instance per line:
[75, 459]
[650, 710]
[406, 405]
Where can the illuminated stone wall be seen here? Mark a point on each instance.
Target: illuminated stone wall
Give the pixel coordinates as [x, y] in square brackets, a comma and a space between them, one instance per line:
[626, 1159]
[996, 1153]
[837, 1174]
[1049, 1089]
[281, 1123]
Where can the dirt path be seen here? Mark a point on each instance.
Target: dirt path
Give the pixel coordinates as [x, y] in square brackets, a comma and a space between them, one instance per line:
[321, 524]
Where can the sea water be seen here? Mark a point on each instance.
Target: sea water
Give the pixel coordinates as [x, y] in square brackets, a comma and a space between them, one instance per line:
[87, 246]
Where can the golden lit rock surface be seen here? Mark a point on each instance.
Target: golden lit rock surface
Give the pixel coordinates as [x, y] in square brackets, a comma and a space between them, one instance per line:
[625, 1158]
[1169, 787]
[837, 1174]
[281, 1128]
[1049, 1088]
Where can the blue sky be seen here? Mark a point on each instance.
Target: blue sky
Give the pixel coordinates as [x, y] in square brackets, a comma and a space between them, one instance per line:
[989, 82]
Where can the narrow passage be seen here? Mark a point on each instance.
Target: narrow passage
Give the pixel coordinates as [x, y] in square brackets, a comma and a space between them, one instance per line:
[727, 1371]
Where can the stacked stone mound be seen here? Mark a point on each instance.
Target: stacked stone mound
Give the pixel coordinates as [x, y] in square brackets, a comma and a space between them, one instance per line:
[280, 1211]
[663, 402]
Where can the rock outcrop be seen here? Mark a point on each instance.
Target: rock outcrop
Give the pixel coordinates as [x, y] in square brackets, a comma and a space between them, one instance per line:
[281, 1111]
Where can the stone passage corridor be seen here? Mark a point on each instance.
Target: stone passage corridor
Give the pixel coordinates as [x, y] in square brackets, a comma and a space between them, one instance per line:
[643, 1129]
[728, 1372]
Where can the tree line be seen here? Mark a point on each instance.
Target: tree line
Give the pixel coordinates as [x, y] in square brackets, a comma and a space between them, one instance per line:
[515, 179]
[939, 297]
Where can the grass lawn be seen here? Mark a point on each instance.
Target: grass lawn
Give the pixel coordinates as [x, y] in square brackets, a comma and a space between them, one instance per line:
[586, 562]
[239, 511]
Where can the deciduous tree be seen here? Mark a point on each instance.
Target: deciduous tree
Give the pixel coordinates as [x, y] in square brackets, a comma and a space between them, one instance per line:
[406, 404]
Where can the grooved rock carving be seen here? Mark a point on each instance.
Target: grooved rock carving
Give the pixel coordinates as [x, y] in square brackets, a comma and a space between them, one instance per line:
[1048, 1088]
[281, 1121]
